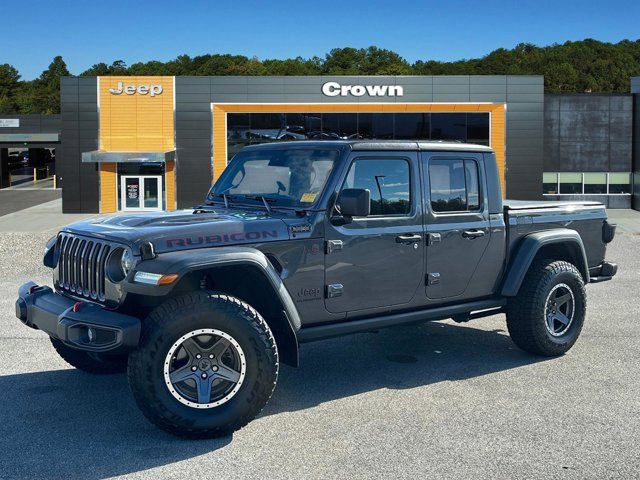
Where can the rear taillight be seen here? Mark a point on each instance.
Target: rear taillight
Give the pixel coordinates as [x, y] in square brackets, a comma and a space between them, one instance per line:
[608, 231]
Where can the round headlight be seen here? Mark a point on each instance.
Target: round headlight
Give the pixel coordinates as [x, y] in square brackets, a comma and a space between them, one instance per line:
[126, 261]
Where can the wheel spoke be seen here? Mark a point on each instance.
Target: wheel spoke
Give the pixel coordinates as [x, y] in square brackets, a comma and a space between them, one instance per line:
[218, 348]
[562, 318]
[181, 374]
[227, 373]
[563, 299]
[191, 347]
[204, 389]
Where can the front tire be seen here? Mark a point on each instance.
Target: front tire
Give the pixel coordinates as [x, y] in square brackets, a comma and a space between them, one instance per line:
[96, 363]
[206, 365]
[547, 315]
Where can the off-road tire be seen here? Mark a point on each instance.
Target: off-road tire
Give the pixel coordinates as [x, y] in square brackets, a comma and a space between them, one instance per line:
[97, 363]
[177, 317]
[526, 312]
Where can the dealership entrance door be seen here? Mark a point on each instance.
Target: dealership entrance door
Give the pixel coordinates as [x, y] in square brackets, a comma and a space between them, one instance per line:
[140, 192]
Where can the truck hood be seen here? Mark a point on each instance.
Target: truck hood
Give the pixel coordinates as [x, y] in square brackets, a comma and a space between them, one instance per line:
[185, 229]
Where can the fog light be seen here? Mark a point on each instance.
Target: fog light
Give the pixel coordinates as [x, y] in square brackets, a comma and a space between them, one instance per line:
[91, 334]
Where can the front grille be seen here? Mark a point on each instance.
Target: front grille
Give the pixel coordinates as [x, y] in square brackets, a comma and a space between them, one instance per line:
[81, 266]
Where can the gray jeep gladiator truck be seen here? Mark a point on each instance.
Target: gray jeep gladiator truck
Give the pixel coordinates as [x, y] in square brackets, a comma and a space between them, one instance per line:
[304, 241]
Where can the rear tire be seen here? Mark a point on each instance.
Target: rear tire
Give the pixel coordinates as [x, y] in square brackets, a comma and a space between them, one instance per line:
[547, 315]
[97, 363]
[198, 338]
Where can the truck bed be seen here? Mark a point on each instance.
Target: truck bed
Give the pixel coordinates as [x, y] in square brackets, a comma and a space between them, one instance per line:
[535, 204]
[585, 217]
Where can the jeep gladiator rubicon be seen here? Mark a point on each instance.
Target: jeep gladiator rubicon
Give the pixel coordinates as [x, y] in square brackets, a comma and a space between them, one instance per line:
[304, 241]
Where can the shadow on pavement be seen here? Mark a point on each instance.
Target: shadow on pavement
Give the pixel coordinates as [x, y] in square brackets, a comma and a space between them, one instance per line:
[67, 424]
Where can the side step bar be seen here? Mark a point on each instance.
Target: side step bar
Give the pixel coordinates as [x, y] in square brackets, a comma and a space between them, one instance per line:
[321, 332]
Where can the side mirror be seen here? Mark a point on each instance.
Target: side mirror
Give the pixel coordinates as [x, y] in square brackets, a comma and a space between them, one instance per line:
[355, 202]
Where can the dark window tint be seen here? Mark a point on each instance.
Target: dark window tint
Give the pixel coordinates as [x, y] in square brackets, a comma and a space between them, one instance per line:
[300, 126]
[388, 182]
[375, 125]
[619, 183]
[571, 183]
[478, 128]
[412, 126]
[454, 185]
[340, 125]
[449, 126]
[595, 182]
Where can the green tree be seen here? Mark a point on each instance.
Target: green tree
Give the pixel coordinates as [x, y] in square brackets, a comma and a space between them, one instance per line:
[9, 85]
[47, 87]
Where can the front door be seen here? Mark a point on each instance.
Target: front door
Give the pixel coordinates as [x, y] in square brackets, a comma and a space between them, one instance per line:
[377, 260]
[457, 221]
[140, 192]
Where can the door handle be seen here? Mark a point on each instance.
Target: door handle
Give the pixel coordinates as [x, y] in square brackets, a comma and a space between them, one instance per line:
[409, 238]
[472, 234]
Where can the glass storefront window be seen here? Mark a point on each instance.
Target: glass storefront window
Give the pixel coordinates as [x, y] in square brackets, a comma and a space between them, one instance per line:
[301, 126]
[589, 183]
[252, 128]
[571, 183]
[595, 183]
[550, 183]
[340, 126]
[619, 183]
[449, 126]
[478, 128]
[267, 127]
[412, 126]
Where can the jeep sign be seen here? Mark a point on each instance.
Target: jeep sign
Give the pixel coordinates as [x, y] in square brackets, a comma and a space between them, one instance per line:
[333, 89]
[152, 90]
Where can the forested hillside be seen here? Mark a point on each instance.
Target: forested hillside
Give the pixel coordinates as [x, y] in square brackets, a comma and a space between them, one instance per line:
[584, 66]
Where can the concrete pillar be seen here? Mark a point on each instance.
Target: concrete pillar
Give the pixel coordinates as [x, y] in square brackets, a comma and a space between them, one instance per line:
[4, 168]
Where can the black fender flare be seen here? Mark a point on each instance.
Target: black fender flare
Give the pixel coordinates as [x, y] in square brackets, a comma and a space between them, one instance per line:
[184, 262]
[529, 247]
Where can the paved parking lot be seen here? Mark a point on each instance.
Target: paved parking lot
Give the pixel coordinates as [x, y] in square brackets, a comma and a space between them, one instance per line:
[439, 401]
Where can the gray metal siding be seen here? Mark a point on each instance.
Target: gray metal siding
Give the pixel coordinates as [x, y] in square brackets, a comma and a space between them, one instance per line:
[524, 96]
[588, 133]
[193, 145]
[636, 150]
[193, 122]
[79, 130]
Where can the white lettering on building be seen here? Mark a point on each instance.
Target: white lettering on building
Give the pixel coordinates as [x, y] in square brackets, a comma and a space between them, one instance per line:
[152, 90]
[334, 89]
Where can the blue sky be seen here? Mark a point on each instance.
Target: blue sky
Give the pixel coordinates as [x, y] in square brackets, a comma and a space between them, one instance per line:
[88, 32]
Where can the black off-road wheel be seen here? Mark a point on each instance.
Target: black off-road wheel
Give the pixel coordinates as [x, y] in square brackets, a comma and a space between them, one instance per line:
[206, 365]
[97, 363]
[547, 315]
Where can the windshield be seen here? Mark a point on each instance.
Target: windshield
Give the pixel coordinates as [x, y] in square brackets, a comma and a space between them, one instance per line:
[287, 177]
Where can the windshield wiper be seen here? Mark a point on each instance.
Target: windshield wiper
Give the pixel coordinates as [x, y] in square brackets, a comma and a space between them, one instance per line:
[224, 197]
[265, 200]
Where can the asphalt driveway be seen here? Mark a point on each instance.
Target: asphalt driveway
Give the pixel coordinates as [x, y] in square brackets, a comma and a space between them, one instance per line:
[440, 400]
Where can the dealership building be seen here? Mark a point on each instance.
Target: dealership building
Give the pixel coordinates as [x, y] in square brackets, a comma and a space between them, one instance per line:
[157, 143]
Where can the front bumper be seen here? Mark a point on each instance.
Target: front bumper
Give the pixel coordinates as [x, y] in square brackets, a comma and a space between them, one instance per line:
[80, 325]
[603, 272]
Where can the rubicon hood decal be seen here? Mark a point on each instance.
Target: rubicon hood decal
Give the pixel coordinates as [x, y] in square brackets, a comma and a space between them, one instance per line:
[224, 238]
[184, 230]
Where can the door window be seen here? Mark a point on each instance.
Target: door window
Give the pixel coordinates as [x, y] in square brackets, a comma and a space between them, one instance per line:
[132, 192]
[140, 192]
[388, 180]
[454, 185]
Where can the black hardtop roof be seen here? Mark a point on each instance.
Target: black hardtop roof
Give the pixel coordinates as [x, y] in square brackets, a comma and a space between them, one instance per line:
[368, 145]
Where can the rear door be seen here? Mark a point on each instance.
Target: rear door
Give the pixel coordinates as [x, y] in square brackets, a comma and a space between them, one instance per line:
[457, 221]
[377, 260]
